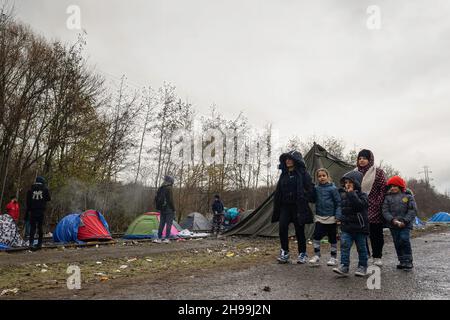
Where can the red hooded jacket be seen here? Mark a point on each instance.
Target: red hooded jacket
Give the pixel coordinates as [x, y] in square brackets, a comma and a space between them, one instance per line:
[13, 209]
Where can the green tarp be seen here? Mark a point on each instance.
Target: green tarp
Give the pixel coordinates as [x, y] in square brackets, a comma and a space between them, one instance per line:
[258, 223]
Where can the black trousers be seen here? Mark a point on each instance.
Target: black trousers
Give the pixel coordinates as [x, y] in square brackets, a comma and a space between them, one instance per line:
[376, 239]
[288, 215]
[36, 222]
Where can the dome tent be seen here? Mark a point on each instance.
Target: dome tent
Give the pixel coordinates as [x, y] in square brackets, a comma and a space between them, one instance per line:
[82, 227]
[9, 235]
[441, 217]
[146, 227]
[196, 222]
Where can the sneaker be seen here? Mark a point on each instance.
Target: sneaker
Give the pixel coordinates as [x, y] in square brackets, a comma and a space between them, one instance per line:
[166, 241]
[332, 262]
[157, 241]
[401, 266]
[361, 272]
[284, 256]
[342, 270]
[302, 258]
[314, 261]
[378, 262]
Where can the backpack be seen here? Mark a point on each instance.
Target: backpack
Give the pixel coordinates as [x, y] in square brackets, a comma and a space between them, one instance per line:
[160, 199]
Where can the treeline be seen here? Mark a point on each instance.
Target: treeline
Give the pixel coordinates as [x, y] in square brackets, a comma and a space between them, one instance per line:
[108, 148]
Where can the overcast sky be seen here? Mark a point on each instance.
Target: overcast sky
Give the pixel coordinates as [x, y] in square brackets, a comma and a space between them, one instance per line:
[308, 67]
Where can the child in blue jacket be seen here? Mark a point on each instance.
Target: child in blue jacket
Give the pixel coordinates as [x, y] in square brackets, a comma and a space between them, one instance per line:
[328, 206]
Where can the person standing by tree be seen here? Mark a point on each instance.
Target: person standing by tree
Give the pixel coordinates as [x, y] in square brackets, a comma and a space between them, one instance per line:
[373, 184]
[293, 193]
[217, 209]
[165, 205]
[37, 198]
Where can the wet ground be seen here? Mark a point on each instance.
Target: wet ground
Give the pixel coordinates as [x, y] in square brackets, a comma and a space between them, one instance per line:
[232, 269]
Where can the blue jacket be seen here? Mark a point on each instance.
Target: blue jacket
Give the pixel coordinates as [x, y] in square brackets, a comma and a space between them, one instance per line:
[328, 200]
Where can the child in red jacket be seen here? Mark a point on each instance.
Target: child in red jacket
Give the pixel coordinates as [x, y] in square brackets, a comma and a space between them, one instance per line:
[13, 209]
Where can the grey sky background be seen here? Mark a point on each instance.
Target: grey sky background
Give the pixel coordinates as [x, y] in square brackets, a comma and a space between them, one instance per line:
[308, 67]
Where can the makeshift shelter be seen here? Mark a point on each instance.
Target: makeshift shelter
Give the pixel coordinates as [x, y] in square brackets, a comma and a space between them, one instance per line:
[196, 222]
[146, 227]
[9, 235]
[258, 223]
[82, 227]
[441, 217]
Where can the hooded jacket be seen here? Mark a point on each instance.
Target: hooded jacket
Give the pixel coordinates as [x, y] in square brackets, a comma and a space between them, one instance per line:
[13, 209]
[217, 207]
[37, 197]
[303, 190]
[166, 189]
[354, 206]
[400, 206]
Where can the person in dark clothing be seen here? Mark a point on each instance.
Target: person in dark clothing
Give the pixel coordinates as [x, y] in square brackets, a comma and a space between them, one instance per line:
[354, 223]
[37, 198]
[293, 193]
[217, 209]
[166, 207]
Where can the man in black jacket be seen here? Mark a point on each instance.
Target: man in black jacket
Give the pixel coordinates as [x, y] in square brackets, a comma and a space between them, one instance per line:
[166, 207]
[294, 191]
[37, 198]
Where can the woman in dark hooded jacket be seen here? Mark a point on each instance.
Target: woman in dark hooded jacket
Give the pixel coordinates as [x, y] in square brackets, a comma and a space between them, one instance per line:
[294, 191]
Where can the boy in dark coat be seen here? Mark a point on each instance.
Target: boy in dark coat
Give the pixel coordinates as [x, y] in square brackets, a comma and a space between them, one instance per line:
[37, 198]
[399, 210]
[354, 223]
[294, 191]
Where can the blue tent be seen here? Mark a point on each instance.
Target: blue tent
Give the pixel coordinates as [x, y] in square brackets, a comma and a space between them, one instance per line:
[441, 217]
[67, 229]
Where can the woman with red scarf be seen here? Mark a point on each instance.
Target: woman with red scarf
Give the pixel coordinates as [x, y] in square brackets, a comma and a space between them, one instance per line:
[374, 184]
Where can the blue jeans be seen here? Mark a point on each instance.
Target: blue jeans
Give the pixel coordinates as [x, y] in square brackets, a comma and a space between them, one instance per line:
[347, 240]
[402, 244]
[165, 220]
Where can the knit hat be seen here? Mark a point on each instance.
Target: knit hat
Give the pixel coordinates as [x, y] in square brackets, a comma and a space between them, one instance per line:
[398, 182]
[365, 153]
[168, 180]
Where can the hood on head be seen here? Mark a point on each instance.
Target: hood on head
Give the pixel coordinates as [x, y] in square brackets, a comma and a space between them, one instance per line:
[168, 181]
[294, 155]
[40, 180]
[355, 176]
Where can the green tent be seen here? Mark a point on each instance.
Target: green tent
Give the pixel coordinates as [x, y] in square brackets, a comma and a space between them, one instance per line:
[258, 223]
[146, 226]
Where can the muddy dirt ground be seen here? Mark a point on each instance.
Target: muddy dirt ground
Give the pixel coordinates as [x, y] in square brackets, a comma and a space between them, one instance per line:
[228, 268]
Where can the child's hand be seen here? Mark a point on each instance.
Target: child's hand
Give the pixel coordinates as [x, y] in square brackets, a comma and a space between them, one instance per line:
[338, 222]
